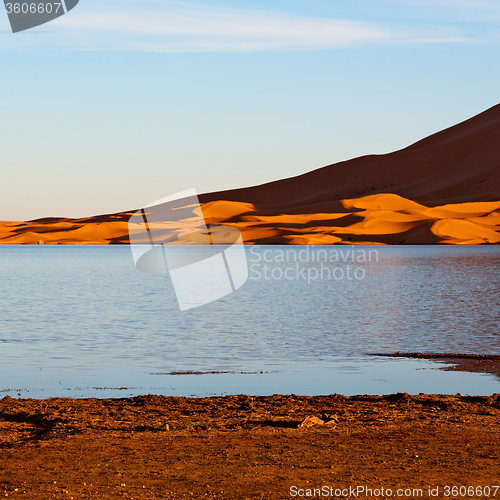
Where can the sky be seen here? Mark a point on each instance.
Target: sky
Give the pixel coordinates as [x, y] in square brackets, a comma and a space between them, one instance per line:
[117, 104]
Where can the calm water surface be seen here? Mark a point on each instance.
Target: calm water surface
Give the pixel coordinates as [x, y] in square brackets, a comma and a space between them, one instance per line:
[82, 321]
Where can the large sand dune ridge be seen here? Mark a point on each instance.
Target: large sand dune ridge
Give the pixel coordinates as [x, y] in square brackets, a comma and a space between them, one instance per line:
[442, 189]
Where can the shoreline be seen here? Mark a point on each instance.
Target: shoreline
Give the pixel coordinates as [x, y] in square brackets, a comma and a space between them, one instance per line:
[252, 447]
[486, 364]
[472, 363]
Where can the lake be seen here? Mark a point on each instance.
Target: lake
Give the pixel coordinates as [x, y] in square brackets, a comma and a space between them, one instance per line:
[81, 321]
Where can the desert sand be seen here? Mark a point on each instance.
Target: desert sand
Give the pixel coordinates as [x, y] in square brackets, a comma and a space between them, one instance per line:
[375, 219]
[444, 189]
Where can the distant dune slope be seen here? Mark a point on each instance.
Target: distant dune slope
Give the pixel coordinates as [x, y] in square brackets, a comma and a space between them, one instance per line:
[457, 165]
[442, 189]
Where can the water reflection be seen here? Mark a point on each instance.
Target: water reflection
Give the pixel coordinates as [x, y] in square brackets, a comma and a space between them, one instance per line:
[75, 312]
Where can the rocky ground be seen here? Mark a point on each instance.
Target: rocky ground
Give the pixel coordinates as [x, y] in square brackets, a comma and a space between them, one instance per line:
[241, 447]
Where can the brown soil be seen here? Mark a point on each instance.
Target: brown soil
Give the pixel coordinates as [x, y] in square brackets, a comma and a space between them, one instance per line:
[239, 447]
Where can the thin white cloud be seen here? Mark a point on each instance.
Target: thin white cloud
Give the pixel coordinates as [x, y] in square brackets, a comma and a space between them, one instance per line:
[182, 27]
[201, 28]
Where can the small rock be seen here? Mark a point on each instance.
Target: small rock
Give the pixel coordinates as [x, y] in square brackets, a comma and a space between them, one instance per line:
[310, 421]
[330, 419]
[333, 421]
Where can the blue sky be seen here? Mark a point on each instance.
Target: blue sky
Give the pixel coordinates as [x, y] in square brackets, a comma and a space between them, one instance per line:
[110, 108]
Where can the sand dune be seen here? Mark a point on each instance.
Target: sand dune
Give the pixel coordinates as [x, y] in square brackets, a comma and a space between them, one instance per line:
[442, 189]
[374, 219]
[382, 218]
[103, 229]
[458, 165]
